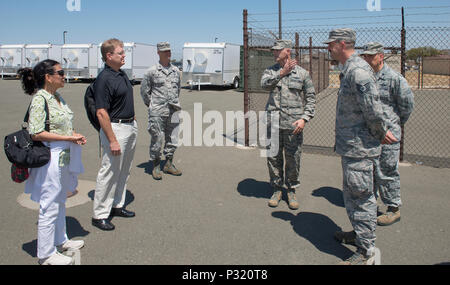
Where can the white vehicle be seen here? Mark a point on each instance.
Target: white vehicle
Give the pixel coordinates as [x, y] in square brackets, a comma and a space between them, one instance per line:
[37, 53]
[79, 61]
[11, 59]
[138, 58]
[211, 64]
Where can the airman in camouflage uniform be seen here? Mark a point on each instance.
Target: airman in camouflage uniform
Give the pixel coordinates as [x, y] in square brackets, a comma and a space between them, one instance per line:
[160, 90]
[360, 129]
[292, 97]
[398, 103]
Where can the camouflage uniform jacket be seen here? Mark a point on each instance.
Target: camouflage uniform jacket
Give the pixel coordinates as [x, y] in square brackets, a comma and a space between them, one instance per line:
[359, 113]
[160, 90]
[293, 95]
[397, 98]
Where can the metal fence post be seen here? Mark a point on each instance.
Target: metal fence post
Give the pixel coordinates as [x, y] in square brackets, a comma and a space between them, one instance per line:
[310, 58]
[402, 69]
[246, 139]
[297, 49]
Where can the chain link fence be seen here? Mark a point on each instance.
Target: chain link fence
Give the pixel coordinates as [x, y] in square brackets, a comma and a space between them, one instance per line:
[420, 54]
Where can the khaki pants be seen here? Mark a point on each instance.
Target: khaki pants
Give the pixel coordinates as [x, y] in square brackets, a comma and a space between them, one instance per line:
[114, 172]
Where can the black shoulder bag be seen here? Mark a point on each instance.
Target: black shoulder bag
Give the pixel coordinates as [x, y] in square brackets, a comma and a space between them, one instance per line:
[22, 151]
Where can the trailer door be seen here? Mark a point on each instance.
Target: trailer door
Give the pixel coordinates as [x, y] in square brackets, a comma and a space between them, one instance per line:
[214, 61]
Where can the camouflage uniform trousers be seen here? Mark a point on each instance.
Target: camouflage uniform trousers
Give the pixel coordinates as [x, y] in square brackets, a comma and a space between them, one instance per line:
[359, 198]
[161, 128]
[291, 146]
[387, 180]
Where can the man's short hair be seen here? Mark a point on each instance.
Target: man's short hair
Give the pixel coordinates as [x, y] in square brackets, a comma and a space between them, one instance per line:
[109, 46]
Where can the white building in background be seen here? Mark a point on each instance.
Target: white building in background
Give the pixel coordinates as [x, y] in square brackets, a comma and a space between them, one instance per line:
[12, 58]
[37, 53]
[138, 58]
[80, 61]
[211, 64]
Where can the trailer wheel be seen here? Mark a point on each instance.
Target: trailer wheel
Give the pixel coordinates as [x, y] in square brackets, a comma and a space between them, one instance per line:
[236, 83]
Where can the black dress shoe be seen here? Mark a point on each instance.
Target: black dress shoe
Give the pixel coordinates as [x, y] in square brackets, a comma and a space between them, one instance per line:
[121, 212]
[103, 224]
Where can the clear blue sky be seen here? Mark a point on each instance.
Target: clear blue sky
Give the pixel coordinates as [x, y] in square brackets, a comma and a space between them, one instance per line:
[177, 21]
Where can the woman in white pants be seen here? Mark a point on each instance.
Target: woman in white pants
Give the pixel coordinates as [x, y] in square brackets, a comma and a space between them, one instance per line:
[49, 184]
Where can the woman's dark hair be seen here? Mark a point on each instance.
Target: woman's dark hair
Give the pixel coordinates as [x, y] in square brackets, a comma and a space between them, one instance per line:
[34, 79]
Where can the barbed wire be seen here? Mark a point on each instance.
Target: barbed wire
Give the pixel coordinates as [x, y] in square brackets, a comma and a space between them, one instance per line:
[349, 17]
[255, 22]
[346, 10]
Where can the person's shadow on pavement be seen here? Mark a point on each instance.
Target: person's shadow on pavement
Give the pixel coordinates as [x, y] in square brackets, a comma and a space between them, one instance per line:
[251, 188]
[318, 230]
[333, 195]
[147, 166]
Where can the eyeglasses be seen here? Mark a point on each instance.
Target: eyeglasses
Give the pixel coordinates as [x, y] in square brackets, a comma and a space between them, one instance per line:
[119, 53]
[59, 72]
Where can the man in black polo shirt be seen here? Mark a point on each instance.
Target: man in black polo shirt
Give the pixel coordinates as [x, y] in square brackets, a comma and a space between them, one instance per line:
[118, 133]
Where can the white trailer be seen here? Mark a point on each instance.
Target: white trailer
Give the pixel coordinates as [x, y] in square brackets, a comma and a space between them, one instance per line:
[79, 61]
[138, 58]
[37, 53]
[211, 64]
[11, 59]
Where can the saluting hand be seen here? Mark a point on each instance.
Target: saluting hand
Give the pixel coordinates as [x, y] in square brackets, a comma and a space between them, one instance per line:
[288, 67]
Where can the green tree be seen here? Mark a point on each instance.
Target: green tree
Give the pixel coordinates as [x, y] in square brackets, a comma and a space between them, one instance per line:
[415, 53]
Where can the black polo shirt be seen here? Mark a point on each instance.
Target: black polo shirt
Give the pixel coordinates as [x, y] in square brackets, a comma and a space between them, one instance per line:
[113, 91]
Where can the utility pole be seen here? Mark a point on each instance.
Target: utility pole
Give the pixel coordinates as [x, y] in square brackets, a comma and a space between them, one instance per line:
[280, 33]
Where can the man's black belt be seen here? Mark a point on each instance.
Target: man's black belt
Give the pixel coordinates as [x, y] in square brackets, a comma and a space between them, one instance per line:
[122, 120]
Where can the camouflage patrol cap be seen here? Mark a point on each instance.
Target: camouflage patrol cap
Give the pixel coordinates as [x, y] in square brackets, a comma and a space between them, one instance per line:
[344, 34]
[163, 46]
[373, 48]
[281, 44]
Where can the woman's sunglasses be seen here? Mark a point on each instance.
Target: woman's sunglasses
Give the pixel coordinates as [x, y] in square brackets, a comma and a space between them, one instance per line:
[59, 72]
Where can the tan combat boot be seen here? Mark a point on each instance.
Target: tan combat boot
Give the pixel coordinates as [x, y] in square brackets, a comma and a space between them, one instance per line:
[391, 216]
[361, 257]
[156, 173]
[275, 199]
[292, 200]
[170, 168]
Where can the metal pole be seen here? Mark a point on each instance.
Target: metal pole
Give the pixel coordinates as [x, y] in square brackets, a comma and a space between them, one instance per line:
[325, 72]
[64, 37]
[318, 72]
[403, 43]
[246, 78]
[310, 59]
[402, 68]
[297, 49]
[421, 72]
[280, 33]
[418, 73]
